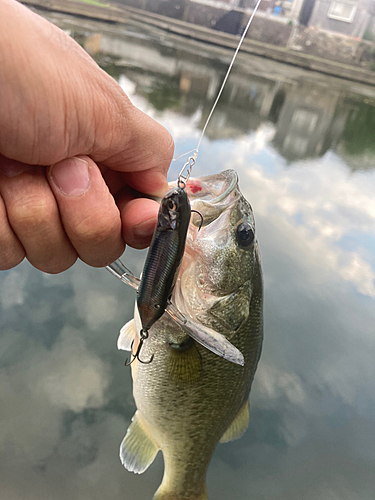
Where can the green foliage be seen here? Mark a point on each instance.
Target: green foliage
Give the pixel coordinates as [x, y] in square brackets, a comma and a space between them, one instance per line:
[165, 93]
[369, 35]
[359, 133]
[109, 64]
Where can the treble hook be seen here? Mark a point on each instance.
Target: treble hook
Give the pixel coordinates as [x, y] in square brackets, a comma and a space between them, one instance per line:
[201, 216]
[144, 336]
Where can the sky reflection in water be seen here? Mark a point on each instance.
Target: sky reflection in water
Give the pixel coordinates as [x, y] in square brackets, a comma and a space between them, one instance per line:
[65, 395]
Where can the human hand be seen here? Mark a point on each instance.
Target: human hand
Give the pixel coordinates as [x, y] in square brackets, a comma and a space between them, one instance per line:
[73, 152]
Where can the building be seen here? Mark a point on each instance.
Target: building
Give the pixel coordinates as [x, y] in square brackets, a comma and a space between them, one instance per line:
[353, 18]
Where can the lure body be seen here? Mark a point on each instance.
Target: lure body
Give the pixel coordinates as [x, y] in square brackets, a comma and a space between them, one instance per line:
[164, 256]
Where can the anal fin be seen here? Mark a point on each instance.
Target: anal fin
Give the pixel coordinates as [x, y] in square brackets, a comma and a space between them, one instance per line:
[137, 450]
[239, 424]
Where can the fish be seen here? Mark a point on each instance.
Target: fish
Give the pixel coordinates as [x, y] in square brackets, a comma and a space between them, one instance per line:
[188, 399]
[164, 256]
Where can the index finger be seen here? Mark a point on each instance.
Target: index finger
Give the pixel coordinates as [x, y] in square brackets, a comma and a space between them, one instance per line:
[141, 148]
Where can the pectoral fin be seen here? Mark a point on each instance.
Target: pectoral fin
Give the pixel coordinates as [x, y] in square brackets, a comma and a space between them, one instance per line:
[213, 341]
[137, 450]
[239, 424]
[126, 337]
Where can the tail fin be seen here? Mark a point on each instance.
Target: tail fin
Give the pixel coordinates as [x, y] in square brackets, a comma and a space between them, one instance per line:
[163, 494]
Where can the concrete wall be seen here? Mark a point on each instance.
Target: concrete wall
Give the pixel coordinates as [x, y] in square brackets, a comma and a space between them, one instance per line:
[170, 8]
[333, 46]
[355, 28]
[203, 15]
[265, 28]
[269, 30]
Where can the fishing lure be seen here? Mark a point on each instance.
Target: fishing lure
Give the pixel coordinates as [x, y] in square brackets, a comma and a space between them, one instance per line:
[163, 260]
[164, 256]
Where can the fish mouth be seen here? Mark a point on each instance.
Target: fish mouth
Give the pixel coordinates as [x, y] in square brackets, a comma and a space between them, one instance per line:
[215, 197]
[212, 189]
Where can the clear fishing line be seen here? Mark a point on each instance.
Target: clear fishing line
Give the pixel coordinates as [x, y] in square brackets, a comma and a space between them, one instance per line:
[182, 179]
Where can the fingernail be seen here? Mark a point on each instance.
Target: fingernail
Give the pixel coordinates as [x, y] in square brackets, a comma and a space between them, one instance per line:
[11, 168]
[145, 229]
[71, 176]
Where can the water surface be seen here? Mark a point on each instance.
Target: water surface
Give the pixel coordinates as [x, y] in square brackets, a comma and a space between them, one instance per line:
[302, 144]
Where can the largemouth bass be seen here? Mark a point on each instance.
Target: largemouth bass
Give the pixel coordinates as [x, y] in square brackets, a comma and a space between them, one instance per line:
[188, 399]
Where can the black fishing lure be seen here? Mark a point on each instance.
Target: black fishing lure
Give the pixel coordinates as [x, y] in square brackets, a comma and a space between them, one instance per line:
[163, 260]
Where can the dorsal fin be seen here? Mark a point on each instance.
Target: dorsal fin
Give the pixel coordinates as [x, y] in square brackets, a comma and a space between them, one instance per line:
[239, 424]
[137, 450]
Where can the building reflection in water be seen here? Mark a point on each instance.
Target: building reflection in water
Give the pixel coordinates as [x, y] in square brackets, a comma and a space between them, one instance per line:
[310, 115]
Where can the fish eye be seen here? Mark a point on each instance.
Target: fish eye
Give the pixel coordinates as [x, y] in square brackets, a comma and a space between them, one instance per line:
[245, 234]
[171, 205]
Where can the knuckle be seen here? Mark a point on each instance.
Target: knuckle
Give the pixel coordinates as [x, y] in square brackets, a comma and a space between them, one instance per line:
[96, 229]
[10, 258]
[99, 241]
[103, 259]
[31, 214]
[11, 251]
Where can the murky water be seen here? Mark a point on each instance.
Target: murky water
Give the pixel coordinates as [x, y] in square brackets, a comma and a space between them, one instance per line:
[303, 146]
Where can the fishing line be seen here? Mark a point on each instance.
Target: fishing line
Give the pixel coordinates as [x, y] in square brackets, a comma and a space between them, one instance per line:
[182, 179]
